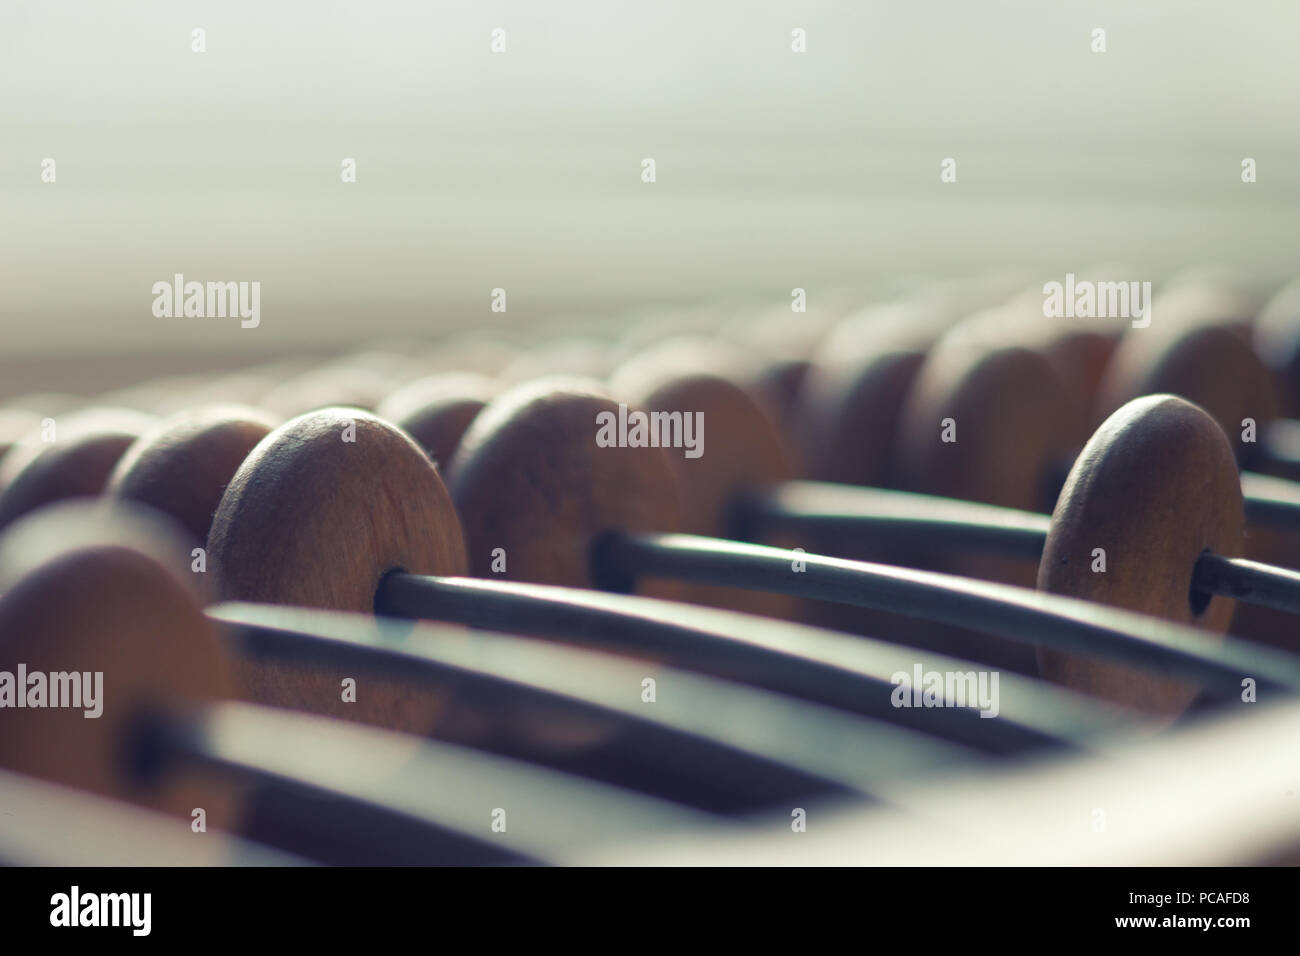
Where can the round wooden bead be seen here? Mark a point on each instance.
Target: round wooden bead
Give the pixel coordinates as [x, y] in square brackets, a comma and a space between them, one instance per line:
[1078, 348]
[848, 412]
[784, 346]
[326, 505]
[531, 479]
[91, 588]
[739, 444]
[182, 467]
[77, 463]
[1206, 363]
[321, 509]
[1155, 487]
[437, 409]
[987, 421]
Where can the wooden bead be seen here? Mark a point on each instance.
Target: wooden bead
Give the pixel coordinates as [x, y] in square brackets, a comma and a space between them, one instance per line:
[437, 409]
[851, 401]
[1078, 348]
[530, 479]
[182, 467]
[1008, 417]
[784, 346]
[741, 447]
[318, 513]
[1206, 363]
[91, 588]
[1154, 487]
[77, 463]
[740, 444]
[324, 507]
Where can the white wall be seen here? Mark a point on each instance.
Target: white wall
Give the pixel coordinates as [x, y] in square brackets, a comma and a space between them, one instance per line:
[522, 170]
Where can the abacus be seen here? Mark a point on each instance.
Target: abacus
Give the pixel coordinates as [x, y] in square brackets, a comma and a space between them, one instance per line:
[938, 566]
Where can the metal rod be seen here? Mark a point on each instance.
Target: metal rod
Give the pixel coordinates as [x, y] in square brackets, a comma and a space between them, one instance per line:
[1249, 581]
[935, 522]
[348, 793]
[714, 744]
[1036, 618]
[1232, 781]
[48, 824]
[1271, 501]
[855, 514]
[843, 671]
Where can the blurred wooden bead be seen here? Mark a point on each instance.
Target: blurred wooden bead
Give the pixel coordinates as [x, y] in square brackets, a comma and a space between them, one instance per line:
[848, 413]
[739, 446]
[533, 486]
[437, 409]
[72, 458]
[1155, 487]
[987, 421]
[91, 588]
[1078, 347]
[1209, 364]
[182, 467]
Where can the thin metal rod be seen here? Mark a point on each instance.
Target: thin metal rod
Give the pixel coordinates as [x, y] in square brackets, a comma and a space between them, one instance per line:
[1271, 501]
[894, 517]
[843, 671]
[48, 824]
[712, 744]
[1033, 617]
[1249, 581]
[934, 522]
[365, 795]
[1232, 779]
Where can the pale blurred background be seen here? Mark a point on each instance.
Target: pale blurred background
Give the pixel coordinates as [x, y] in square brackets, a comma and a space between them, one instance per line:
[522, 170]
